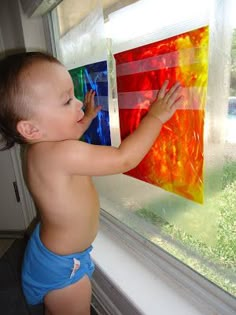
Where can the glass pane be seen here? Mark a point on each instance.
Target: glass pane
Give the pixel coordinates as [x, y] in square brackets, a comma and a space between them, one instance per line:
[198, 231]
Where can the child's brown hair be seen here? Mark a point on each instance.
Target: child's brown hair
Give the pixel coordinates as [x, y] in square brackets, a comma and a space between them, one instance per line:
[13, 101]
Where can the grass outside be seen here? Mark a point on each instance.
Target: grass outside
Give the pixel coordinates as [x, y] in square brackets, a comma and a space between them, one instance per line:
[217, 262]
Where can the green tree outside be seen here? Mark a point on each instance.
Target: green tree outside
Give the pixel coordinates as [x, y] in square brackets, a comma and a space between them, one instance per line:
[233, 66]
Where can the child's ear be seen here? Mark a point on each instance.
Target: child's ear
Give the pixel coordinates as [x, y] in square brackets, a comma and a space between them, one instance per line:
[28, 130]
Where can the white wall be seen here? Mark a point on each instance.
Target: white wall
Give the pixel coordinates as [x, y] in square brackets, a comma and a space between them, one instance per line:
[33, 32]
[10, 25]
[18, 31]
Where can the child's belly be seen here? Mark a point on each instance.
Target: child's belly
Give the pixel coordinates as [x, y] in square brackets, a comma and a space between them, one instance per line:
[75, 235]
[69, 212]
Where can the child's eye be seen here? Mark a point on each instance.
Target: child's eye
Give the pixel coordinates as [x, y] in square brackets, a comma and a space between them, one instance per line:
[69, 101]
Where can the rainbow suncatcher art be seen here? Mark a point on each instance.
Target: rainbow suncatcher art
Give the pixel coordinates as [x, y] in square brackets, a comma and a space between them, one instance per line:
[175, 161]
[85, 78]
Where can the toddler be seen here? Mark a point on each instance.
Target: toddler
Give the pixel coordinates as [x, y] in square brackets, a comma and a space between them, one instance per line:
[38, 108]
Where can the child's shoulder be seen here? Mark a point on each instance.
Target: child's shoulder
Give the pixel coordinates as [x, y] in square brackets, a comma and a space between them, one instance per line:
[49, 147]
[52, 153]
[41, 149]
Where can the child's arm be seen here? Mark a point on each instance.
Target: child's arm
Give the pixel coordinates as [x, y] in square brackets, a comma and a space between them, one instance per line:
[76, 157]
[90, 111]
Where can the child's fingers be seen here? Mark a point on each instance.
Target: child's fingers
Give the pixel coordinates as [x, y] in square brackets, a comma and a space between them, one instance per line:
[172, 91]
[173, 96]
[177, 103]
[88, 96]
[98, 108]
[162, 91]
[91, 95]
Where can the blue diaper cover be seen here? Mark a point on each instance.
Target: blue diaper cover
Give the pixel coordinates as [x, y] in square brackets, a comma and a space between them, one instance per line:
[44, 271]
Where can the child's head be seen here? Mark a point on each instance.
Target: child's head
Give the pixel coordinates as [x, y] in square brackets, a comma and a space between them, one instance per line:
[14, 98]
[37, 101]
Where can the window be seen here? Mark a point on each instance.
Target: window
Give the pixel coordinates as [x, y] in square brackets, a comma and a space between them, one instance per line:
[200, 234]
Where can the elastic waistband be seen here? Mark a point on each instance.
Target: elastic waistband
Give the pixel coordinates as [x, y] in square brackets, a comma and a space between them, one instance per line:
[35, 238]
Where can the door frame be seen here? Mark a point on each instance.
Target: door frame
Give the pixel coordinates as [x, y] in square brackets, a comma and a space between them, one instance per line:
[27, 203]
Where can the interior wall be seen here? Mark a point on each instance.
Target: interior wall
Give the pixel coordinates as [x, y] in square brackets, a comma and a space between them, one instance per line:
[33, 32]
[20, 33]
[10, 25]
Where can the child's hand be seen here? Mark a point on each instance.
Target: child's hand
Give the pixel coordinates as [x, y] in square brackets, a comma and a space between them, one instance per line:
[90, 110]
[166, 103]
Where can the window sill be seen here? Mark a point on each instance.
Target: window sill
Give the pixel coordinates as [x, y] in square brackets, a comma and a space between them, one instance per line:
[132, 284]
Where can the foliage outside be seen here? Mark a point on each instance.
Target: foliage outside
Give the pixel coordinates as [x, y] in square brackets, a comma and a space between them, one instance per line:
[218, 262]
[233, 68]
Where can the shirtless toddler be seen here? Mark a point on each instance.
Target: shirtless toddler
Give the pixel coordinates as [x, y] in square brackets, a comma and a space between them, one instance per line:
[38, 108]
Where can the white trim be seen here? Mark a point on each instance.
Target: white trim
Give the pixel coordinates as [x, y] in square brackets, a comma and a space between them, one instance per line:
[119, 251]
[107, 298]
[38, 7]
[55, 37]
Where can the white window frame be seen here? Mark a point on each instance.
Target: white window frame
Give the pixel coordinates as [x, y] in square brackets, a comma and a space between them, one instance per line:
[118, 244]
